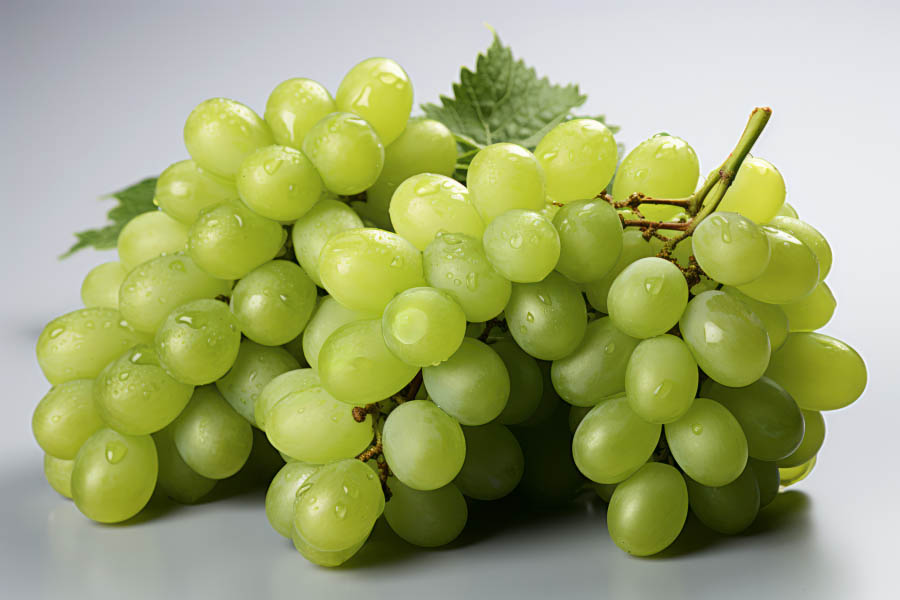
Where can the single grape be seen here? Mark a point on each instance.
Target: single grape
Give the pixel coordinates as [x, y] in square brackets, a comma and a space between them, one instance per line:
[757, 191]
[578, 158]
[254, 367]
[220, 133]
[311, 231]
[179, 482]
[812, 312]
[767, 479]
[647, 298]
[791, 475]
[773, 317]
[731, 248]
[65, 418]
[185, 189]
[428, 519]
[708, 443]
[548, 319]
[279, 387]
[787, 210]
[279, 183]
[423, 326]
[101, 285]
[730, 508]
[282, 494]
[813, 438]
[810, 237]
[494, 462]
[791, 274]
[634, 247]
[327, 318]
[525, 383]
[523, 246]
[58, 472]
[147, 236]
[505, 176]
[378, 90]
[426, 204]
[293, 107]
[590, 237]
[661, 379]
[346, 152]
[322, 557]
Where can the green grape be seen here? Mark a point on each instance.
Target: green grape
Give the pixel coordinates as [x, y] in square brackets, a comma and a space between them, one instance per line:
[792, 273]
[185, 189]
[293, 107]
[840, 373]
[282, 494]
[428, 519]
[728, 340]
[425, 447]
[101, 285]
[647, 298]
[813, 438]
[295, 348]
[311, 231]
[65, 418]
[634, 247]
[551, 478]
[548, 319]
[423, 326]
[356, 366]
[578, 158]
[329, 316]
[198, 342]
[505, 176]
[494, 462]
[279, 387]
[114, 475]
[577, 415]
[590, 238]
[523, 246]
[58, 472]
[157, 287]
[428, 203]
[525, 383]
[457, 264]
[346, 152]
[472, 386]
[230, 240]
[321, 557]
[596, 369]
[612, 442]
[661, 379]
[212, 439]
[792, 475]
[787, 210]
[730, 508]
[254, 367]
[757, 191]
[179, 482]
[606, 490]
[768, 480]
[731, 248]
[273, 302]
[279, 183]
[134, 394]
[147, 236]
[810, 237]
[378, 90]
[220, 133]
[79, 344]
[550, 211]
[770, 418]
[648, 510]
[812, 312]
[773, 317]
[708, 443]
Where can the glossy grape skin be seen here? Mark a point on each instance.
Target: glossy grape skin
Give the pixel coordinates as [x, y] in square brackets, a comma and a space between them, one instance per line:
[346, 152]
[768, 480]
[279, 387]
[273, 302]
[254, 367]
[185, 189]
[147, 236]
[311, 231]
[791, 274]
[494, 462]
[114, 475]
[58, 473]
[100, 287]
[423, 326]
[220, 133]
[293, 107]
[526, 384]
[548, 319]
[523, 246]
[590, 236]
[731, 248]
[327, 318]
[65, 418]
[634, 247]
[810, 237]
[661, 379]
[773, 317]
[612, 442]
[648, 510]
[378, 90]
[282, 494]
[840, 373]
[757, 191]
[179, 482]
[505, 176]
[812, 312]
[427, 519]
[787, 210]
[728, 341]
[708, 443]
[578, 158]
[425, 447]
[279, 183]
[647, 298]
[321, 557]
[428, 203]
[791, 475]
[728, 509]
[79, 344]
[813, 438]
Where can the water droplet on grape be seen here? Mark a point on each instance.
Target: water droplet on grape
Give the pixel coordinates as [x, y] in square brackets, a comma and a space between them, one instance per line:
[697, 428]
[115, 452]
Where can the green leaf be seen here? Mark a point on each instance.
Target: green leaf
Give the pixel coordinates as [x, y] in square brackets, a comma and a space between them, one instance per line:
[132, 201]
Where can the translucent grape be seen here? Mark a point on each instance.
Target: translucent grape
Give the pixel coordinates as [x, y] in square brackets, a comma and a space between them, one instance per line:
[548, 319]
[523, 246]
[494, 462]
[578, 158]
[647, 298]
[322, 557]
[812, 312]
[661, 379]
[813, 438]
[505, 176]
[378, 90]
[328, 317]
[730, 508]
[791, 475]
[220, 133]
[731, 248]
[810, 237]
[708, 443]
[767, 479]
[147, 236]
[254, 367]
[590, 237]
[423, 326]
[279, 387]
[58, 472]
[787, 210]
[310, 233]
[525, 383]
[773, 317]
[428, 519]
[757, 191]
[293, 107]
[179, 482]
[792, 272]
[346, 152]
[65, 418]
[101, 285]
[282, 494]
[184, 190]
[428, 203]
[278, 182]
[634, 247]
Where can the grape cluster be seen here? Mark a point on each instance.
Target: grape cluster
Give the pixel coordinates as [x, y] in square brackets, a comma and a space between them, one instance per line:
[406, 341]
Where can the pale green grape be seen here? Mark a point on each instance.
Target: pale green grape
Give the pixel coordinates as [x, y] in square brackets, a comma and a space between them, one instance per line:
[135, 395]
[378, 90]
[647, 298]
[220, 133]
[198, 342]
[791, 475]
[428, 203]
[321, 557]
[770, 418]
[457, 264]
[731, 248]
[813, 438]
[634, 247]
[757, 191]
[293, 107]
[274, 302]
[708, 443]
[346, 152]
[278, 182]
[311, 231]
[730, 508]
[728, 341]
[787, 210]
[590, 238]
[356, 366]
[596, 369]
[424, 446]
[525, 383]
[767, 479]
[155, 288]
[179, 482]
[428, 519]
[58, 472]
[65, 417]
[185, 189]
[282, 494]
[494, 462]
[211, 437]
[661, 379]
[812, 312]
[773, 317]
[578, 158]
[647, 511]
[810, 237]
[612, 442]
[577, 415]
[279, 387]
[840, 373]
[101, 285]
[523, 246]
[79, 344]
[792, 272]
[551, 478]
[423, 326]
[548, 319]
[329, 316]
[147, 236]
[505, 176]
[254, 367]
[114, 475]
[230, 240]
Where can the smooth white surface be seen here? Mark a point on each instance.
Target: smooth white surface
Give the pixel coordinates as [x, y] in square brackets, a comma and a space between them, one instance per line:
[94, 98]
